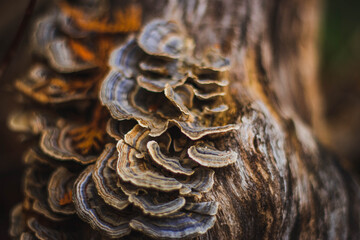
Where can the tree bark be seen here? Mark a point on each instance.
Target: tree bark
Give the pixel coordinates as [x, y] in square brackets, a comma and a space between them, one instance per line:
[284, 184]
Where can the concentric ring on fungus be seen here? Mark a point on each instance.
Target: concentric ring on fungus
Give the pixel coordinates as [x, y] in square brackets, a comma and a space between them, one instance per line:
[151, 170]
[158, 64]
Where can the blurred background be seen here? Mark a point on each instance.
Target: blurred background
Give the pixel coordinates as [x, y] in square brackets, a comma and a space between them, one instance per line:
[339, 77]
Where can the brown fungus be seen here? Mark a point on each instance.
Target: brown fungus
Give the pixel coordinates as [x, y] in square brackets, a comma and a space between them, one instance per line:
[180, 225]
[105, 178]
[60, 191]
[32, 122]
[116, 94]
[17, 221]
[135, 89]
[170, 163]
[92, 209]
[209, 156]
[49, 42]
[132, 169]
[152, 202]
[46, 86]
[159, 97]
[42, 232]
[162, 38]
[58, 143]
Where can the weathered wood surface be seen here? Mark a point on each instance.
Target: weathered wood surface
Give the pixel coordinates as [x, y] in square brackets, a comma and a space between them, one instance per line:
[284, 184]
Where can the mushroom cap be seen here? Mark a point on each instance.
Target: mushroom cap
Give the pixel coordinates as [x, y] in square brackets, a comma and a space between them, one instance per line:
[158, 84]
[27, 121]
[118, 129]
[42, 232]
[62, 57]
[138, 137]
[200, 182]
[45, 31]
[56, 142]
[140, 173]
[117, 92]
[47, 86]
[60, 191]
[209, 156]
[162, 38]
[125, 58]
[181, 225]
[195, 130]
[170, 163]
[152, 202]
[105, 178]
[17, 221]
[92, 209]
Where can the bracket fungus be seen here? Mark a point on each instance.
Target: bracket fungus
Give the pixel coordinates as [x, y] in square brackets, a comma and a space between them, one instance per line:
[145, 166]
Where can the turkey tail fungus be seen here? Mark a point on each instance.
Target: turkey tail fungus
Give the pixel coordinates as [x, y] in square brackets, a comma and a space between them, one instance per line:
[185, 119]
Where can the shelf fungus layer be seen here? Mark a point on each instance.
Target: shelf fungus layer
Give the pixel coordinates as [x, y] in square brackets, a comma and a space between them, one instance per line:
[164, 161]
[154, 79]
[144, 161]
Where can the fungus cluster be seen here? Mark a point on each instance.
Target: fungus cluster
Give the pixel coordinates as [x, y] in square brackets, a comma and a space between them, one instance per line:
[143, 167]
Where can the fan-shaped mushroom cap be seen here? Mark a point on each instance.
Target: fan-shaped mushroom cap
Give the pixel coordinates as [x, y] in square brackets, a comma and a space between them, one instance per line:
[217, 109]
[34, 155]
[212, 62]
[27, 121]
[57, 48]
[138, 172]
[180, 225]
[126, 58]
[138, 137]
[170, 163]
[43, 232]
[45, 32]
[195, 130]
[116, 94]
[56, 142]
[152, 202]
[46, 86]
[118, 129]
[209, 156]
[17, 221]
[177, 100]
[162, 38]
[42, 207]
[201, 181]
[213, 82]
[206, 208]
[156, 84]
[60, 191]
[150, 205]
[163, 67]
[62, 57]
[69, 27]
[36, 178]
[92, 209]
[105, 178]
[207, 95]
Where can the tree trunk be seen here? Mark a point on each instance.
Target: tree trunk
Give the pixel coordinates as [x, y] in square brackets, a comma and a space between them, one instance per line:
[285, 184]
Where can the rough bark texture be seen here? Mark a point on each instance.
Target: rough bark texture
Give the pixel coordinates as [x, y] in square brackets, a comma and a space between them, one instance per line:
[284, 184]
